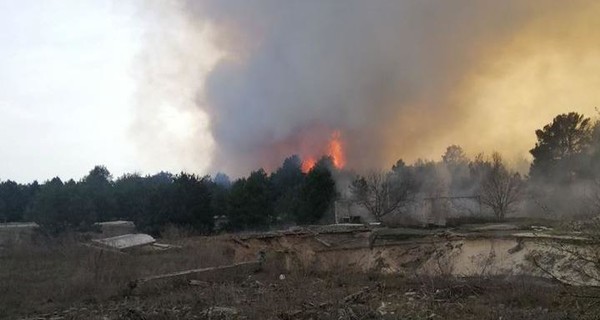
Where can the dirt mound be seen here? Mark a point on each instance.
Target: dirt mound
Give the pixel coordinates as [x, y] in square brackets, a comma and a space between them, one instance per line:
[421, 252]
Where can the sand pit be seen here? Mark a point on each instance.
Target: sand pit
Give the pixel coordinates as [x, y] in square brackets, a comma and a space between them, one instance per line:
[415, 252]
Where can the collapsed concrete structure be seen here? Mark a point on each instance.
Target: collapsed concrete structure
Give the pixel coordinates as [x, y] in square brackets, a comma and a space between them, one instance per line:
[133, 241]
[115, 228]
[127, 241]
[418, 212]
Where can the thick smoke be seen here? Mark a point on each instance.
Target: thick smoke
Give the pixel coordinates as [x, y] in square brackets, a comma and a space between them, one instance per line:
[396, 78]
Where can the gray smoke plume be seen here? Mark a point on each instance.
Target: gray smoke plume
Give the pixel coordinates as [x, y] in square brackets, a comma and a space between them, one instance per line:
[391, 76]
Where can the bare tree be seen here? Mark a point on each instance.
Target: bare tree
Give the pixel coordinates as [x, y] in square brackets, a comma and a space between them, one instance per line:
[501, 189]
[382, 193]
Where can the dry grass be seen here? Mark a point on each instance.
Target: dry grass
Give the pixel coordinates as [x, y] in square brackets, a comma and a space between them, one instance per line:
[55, 273]
[79, 282]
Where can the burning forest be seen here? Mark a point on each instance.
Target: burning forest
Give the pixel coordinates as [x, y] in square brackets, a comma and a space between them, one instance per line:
[334, 150]
[269, 86]
[300, 160]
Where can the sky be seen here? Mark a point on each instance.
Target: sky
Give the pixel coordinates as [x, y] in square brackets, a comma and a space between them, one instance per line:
[233, 85]
[70, 99]
[65, 73]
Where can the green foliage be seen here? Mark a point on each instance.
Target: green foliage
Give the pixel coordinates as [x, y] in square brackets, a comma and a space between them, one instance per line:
[14, 199]
[157, 201]
[97, 191]
[152, 202]
[317, 193]
[566, 162]
[218, 199]
[132, 194]
[250, 202]
[191, 203]
[74, 205]
[58, 207]
[287, 183]
[567, 152]
[185, 200]
[561, 148]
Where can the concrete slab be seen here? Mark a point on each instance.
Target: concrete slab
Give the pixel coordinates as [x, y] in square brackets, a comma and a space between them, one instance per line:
[19, 225]
[126, 241]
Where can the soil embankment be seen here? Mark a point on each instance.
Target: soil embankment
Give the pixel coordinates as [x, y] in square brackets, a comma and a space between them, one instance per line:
[484, 251]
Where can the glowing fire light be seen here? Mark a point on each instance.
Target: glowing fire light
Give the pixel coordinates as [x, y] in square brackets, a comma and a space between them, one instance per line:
[335, 150]
[308, 164]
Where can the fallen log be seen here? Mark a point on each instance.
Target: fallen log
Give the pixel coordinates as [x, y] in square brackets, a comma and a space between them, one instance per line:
[323, 242]
[198, 283]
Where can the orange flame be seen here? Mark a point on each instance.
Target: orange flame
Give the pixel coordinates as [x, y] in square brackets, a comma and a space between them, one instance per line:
[336, 151]
[308, 164]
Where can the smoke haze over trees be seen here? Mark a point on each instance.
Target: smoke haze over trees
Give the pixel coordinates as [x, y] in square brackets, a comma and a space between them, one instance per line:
[280, 85]
[564, 174]
[564, 180]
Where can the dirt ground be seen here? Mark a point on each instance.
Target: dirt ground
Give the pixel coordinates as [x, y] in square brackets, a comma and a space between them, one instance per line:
[341, 296]
[307, 275]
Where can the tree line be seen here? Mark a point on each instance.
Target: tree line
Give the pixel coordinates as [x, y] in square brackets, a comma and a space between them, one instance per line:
[564, 177]
[485, 180]
[259, 201]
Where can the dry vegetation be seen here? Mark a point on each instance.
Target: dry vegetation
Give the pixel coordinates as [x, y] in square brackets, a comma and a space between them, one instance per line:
[56, 273]
[62, 279]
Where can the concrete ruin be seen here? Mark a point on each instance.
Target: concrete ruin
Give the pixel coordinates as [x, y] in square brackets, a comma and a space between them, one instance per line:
[127, 241]
[115, 228]
[347, 211]
[422, 211]
[131, 242]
